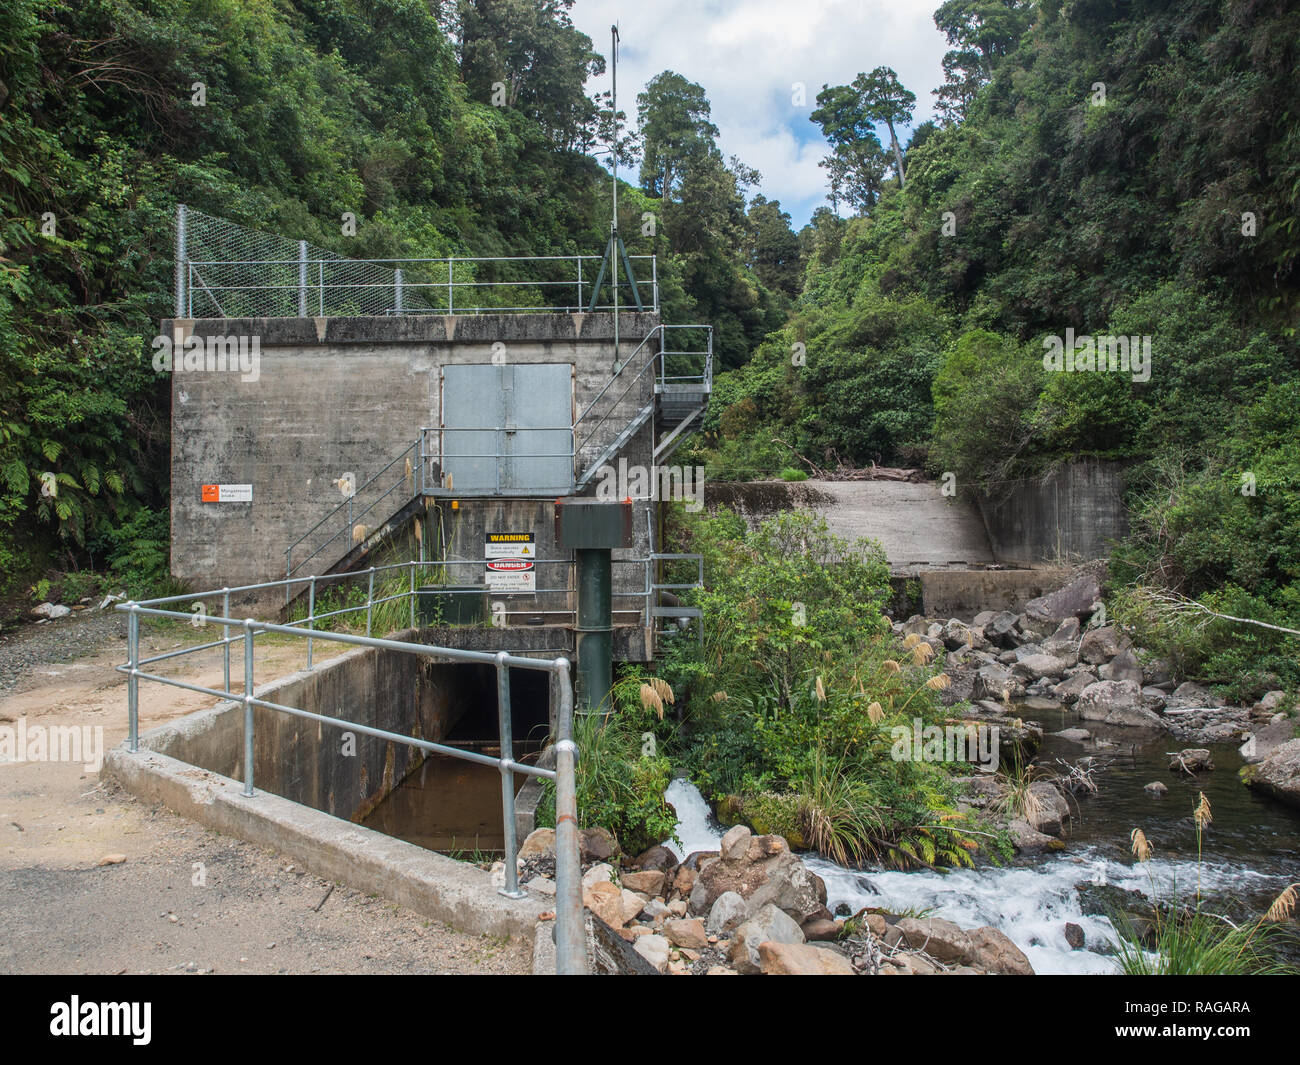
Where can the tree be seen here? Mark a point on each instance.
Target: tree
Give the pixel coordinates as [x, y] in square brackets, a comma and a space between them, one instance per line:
[983, 31]
[773, 248]
[883, 99]
[673, 117]
[847, 115]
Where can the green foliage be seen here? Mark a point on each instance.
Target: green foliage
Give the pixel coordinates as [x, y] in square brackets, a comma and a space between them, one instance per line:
[790, 705]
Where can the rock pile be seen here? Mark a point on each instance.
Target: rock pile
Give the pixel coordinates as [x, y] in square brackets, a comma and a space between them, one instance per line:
[753, 907]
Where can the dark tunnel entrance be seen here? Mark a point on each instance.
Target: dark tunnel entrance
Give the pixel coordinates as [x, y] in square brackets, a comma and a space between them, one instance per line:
[453, 806]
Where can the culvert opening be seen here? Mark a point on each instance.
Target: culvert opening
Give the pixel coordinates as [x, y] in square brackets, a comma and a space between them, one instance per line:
[434, 801]
[449, 805]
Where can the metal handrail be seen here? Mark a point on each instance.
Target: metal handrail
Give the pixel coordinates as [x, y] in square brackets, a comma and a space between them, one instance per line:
[571, 954]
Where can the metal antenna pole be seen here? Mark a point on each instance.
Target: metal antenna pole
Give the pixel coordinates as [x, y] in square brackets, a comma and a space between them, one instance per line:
[613, 225]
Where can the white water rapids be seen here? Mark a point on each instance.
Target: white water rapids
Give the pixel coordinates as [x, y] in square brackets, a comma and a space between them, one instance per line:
[1030, 904]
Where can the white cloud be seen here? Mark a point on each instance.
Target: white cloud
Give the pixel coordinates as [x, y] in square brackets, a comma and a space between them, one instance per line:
[748, 53]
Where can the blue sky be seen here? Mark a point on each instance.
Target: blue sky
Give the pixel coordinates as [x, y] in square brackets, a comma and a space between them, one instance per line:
[748, 53]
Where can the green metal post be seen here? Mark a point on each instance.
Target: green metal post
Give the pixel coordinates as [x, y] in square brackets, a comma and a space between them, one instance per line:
[595, 630]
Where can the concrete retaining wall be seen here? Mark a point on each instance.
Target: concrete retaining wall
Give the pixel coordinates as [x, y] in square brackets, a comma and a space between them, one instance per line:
[1075, 514]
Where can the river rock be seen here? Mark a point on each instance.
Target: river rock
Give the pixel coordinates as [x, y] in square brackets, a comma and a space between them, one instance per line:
[942, 940]
[657, 858]
[655, 949]
[1116, 702]
[1124, 666]
[51, 610]
[1041, 665]
[1192, 760]
[799, 959]
[997, 683]
[1264, 741]
[1074, 735]
[650, 881]
[687, 932]
[1278, 774]
[1028, 840]
[1074, 935]
[1053, 809]
[735, 844]
[1099, 645]
[820, 930]
[1075, 600]
[1157, 672]
[1001, 631]
[767, 872]
[1156, 788]
[991, 950]
[1069, 690]
[728, 911]
[769, 924]
[1269, 704]
[539, 844]
[605, 900]
[601, 873]
[1189, 696]
[1065, 638]
[597, 844]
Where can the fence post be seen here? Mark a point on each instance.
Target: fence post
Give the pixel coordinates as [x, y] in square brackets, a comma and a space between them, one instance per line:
[511, 887]
[225, 639]
[180, 260]
[412, 595]
[311, 616]
[322, 287]
[133, 678]
[248, 706]
[451, 299]
[302, 279]
[579, 283]
[370, 600]
[397, 294]
[570, 933]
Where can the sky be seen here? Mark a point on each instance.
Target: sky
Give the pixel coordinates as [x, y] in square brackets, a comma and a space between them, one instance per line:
[748, 53]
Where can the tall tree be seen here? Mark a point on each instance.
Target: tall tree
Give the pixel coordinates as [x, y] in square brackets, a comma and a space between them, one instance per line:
[673, 117]
[773, 248]
[982, 33]
[856, 165]
[882, 98]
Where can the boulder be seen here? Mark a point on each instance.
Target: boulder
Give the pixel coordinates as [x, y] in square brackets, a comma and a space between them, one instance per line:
[1269, 704]
[1028, 840]
[1074, 735]
[1189, 696]
[820, 930]
[1115, 702]
[1157, 671]
[768, 872]
[1074, 935]
[687, 932]
[1052, 808]
[51, 610]
[651, 881]
[602, 873]
[1041, 665]
[769, 924]
[1264, 741]
[942, 940]
[1099, 645]
[1069, 690]
[728, 911]
[1192, 760]
[1124, 666]
[1001, 630]
[1065, 638]
[655, 949]
[996, 682]
[1279, 773]
[993, 952]
[658, 858]
[735, 844]
[605, 900]
[1156, 788]
[597, 844]
[1075, 600]
[799, 959]
[539, 844]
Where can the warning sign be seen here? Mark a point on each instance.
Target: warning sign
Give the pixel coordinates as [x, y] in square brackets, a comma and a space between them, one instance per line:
[227, 493]
[511, 562]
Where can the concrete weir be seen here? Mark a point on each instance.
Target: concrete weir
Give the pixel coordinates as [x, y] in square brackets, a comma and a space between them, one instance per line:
[314, 782]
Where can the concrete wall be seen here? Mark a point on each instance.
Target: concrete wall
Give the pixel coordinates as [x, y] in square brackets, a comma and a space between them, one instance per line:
[1073, 514]
[334, 396]
[964, 593]
[303, 760]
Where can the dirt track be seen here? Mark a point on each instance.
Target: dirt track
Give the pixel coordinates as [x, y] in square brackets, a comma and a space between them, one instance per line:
[186, 899]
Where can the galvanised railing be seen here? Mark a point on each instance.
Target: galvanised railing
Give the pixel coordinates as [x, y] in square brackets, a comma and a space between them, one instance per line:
[570, 935]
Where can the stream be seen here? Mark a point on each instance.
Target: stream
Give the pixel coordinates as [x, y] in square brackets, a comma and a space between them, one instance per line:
[1251, 851]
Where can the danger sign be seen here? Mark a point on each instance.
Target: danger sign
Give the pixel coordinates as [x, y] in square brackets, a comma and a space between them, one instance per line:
[511, 562]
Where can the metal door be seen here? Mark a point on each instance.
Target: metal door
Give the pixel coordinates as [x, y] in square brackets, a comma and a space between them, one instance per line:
[508, 430]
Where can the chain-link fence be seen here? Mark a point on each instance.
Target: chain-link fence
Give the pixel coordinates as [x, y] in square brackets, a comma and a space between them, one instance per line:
[225, 270]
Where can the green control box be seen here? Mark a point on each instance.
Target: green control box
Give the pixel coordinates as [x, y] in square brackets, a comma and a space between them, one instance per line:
[593, 523]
